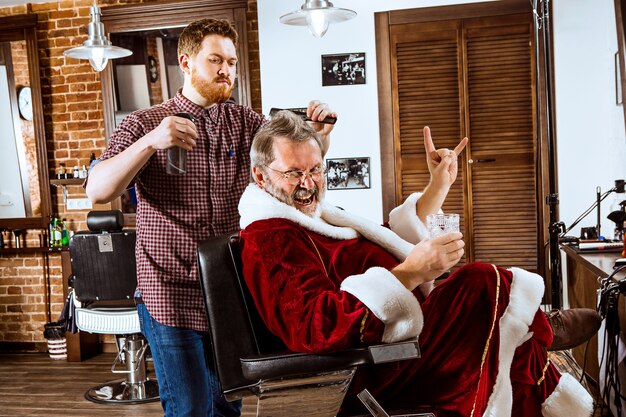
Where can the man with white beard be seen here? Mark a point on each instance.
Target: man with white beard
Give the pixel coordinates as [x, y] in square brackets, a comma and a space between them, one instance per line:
[175, 212]
[324, 280]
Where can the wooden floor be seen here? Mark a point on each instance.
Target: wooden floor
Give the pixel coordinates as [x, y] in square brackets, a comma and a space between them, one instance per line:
[33, 385]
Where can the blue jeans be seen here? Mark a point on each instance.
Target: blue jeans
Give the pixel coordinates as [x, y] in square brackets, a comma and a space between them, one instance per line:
[183, 362]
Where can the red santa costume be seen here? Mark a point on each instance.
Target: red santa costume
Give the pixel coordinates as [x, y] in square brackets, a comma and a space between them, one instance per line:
[322, 284]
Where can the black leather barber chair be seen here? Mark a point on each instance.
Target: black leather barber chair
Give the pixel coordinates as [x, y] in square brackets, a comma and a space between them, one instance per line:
[104, 279]
[252, 362]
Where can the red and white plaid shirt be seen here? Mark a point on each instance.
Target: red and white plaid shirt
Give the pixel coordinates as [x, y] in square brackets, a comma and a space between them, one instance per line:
[175, 212]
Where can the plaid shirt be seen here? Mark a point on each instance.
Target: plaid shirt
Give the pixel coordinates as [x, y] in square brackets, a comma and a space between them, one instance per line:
[175, 212]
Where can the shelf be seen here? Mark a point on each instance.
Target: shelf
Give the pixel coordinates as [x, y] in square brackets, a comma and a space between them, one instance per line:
[33, 250]
[69, 181]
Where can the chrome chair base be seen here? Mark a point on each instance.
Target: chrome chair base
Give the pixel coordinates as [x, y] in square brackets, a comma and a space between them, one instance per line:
[124, 392]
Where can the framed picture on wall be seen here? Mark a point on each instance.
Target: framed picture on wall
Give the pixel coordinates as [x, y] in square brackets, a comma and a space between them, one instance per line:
[343, 69]
[348, 173]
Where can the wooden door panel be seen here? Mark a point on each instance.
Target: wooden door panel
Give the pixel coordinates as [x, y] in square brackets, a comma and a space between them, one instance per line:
[501, 124]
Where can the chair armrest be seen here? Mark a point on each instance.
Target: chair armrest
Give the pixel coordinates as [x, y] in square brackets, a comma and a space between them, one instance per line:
[278, 365]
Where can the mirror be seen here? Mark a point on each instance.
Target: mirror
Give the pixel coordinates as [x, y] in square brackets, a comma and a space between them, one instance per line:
[24, 189]
[151, 74]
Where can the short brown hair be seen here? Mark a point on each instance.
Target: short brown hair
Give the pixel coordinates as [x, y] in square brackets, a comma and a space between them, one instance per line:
[284, 124]
[192, 36]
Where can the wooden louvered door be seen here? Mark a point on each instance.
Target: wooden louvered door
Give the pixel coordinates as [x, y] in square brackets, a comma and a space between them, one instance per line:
[475, 78]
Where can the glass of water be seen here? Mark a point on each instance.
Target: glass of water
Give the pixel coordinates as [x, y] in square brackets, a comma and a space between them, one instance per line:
[439, 224]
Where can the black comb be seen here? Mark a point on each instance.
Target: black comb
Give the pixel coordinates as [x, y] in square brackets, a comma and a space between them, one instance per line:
[301, 111]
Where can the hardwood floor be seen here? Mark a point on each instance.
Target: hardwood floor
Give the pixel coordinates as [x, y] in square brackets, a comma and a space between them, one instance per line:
[33, 385]
[36, 386]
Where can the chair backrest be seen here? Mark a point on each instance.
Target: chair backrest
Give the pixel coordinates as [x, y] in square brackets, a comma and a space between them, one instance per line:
[237, 330]
[103, 260]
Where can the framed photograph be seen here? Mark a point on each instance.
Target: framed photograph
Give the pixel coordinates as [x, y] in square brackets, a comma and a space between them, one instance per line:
[343, 69]
[348, 173]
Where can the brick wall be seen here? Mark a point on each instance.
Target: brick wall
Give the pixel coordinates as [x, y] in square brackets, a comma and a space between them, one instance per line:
[72, 104]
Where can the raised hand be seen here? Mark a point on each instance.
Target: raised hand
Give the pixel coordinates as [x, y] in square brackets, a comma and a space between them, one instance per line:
[173, 131]
[442, 163]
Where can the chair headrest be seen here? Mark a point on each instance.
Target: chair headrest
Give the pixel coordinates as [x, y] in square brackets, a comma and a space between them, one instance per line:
[105, 220]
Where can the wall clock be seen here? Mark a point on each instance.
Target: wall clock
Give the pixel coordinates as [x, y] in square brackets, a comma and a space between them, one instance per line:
[24, 103]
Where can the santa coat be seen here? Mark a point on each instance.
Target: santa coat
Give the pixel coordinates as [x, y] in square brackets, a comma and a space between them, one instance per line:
[323, 284]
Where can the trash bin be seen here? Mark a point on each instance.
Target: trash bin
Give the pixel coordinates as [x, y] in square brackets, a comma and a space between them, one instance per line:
[55, 333]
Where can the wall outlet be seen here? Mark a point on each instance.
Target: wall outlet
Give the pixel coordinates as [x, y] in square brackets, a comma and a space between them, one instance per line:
[79, 204]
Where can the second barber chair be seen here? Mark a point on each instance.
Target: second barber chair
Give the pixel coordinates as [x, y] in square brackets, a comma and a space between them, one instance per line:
[104, 281]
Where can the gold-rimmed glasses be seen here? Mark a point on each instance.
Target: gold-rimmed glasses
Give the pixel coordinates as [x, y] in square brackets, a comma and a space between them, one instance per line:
[297, 176]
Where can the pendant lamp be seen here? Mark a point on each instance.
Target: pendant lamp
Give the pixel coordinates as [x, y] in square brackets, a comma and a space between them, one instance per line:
[97, 48]
[317, 15]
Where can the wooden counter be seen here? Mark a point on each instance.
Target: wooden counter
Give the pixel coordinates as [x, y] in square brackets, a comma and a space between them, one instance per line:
[584, 271]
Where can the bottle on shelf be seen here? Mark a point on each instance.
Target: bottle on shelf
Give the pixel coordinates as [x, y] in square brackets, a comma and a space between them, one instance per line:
[61, 172]
[76, 172]
[65, 234]
[49, 240]
[56, 234]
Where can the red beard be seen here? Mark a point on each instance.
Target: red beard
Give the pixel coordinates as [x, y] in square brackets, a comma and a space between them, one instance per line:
[214, 91]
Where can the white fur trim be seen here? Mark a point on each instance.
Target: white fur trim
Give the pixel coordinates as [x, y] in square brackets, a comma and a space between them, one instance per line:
[524, 300]
[404, 221]
[257, 204]
[388, 300]
[569, 399]
[372, 231]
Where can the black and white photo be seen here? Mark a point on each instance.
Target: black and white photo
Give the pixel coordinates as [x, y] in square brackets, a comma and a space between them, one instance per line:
[343, 69]
[348, 173]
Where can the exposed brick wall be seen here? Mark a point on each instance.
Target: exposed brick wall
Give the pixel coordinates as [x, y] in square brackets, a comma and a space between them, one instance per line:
[74, 127]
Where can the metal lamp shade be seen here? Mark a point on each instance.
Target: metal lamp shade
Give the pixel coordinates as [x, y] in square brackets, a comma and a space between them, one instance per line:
[317, 15]
[97, 48]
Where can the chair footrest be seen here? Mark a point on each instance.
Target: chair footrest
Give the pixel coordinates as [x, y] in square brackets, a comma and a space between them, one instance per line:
[107, 321]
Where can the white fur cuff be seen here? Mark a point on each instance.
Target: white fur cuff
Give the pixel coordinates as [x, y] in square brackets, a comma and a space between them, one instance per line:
[404, 221]
[388, 300]
[569, 399]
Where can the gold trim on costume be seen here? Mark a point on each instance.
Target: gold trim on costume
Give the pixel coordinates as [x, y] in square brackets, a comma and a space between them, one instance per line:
[367, 313]
[493, 325]
[545, 368]
[319, 255]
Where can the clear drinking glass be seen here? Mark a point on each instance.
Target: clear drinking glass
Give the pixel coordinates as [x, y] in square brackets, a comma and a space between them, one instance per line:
[439, 224]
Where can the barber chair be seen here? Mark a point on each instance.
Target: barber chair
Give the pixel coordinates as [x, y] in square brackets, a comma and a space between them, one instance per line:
[103, 284]
[252, 362]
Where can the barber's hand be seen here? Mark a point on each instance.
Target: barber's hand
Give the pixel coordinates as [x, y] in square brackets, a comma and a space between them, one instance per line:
[442, 163]
[173, 131]
[318, 111]
[429, 259]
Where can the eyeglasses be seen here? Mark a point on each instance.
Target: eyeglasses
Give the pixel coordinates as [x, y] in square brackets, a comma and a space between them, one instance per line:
[296, 176]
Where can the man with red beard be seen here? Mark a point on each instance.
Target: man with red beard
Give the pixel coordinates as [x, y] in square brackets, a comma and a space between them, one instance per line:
[324, 280]
[174, 212]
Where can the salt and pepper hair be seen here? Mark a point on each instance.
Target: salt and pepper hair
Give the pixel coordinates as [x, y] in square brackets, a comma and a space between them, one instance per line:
[191, 38]
[284, 124]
